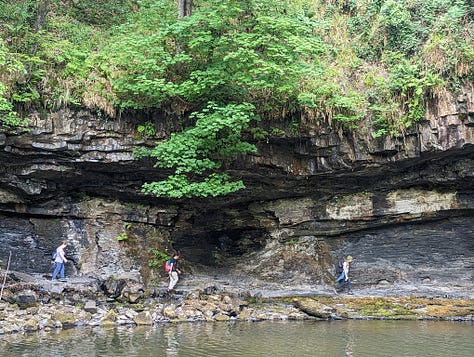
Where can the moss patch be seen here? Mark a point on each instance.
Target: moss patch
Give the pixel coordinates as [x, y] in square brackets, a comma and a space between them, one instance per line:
[400, 308]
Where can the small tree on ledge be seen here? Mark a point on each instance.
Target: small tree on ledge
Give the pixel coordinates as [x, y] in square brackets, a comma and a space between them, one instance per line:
[198, 153]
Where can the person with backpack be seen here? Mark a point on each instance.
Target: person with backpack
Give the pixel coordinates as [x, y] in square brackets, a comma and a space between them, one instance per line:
[59, 261]
[173, 271]
[343, 278]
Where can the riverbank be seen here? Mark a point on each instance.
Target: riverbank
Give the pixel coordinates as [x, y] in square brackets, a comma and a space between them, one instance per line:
[385, 308]
[40, 305]
[222, 307]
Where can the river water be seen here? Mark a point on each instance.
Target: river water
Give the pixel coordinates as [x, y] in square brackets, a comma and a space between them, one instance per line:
[239, 339]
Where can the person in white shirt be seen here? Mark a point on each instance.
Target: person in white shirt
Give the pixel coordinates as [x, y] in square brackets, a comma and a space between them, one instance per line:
[344, 279]
[59, 262]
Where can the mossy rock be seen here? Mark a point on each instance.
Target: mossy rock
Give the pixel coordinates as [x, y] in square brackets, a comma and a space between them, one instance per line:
[31, 325]
[314, 308]
[111, 315]
[65, 319]
[222, 317]
[107, 323]
[245, 314]
[143, 318]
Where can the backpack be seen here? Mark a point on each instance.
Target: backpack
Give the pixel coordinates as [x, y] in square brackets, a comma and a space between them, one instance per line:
[167, 266]
[339, 268]
[54, 255]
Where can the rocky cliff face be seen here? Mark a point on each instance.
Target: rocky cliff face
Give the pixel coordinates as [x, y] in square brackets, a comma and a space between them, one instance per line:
[403, 207]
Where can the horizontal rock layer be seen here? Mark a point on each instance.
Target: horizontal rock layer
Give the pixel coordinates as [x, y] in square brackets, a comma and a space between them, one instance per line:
[402, 206]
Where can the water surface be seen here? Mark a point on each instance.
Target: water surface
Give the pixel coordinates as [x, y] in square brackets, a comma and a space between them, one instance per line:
[239, 339]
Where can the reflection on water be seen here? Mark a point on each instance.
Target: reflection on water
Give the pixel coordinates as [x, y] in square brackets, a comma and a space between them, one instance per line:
[304, 338]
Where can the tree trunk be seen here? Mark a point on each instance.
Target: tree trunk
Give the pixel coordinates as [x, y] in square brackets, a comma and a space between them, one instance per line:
[42, 13]
[41, 18]
[185, 8]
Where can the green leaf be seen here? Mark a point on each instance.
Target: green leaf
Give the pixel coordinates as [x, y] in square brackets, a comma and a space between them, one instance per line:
[196, 154]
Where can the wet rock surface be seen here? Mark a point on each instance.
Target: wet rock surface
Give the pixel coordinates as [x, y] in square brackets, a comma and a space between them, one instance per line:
[47, 305]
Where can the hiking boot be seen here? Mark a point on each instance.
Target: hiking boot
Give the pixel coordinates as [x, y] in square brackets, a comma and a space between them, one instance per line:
[350, 292]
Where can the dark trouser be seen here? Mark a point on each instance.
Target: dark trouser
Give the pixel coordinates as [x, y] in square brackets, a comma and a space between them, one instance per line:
[58, 269]
[344, 282]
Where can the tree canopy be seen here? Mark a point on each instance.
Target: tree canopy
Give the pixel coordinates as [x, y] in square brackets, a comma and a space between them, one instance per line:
[223, 66]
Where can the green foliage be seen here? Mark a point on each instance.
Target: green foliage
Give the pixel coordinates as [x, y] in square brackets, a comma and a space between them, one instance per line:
[277, 132]
[411, 81]
[159, 258]
[408, 80]
[259, 133]
[21, 34]
[199, 151]
[146, 130]
[340, 61]
[347, 109]
[404, 26]
[101, 12]
[179, 186]
[124, 235]
[9, 119]
[225, 52]
[400, 27]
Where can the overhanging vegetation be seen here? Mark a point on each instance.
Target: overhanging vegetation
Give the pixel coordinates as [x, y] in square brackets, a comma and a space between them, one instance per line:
[230, 63]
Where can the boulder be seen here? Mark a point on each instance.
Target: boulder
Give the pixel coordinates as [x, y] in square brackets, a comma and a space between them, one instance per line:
[26, 299]
[113, 287]
[91, 306]
[143, 318]
[314, 308]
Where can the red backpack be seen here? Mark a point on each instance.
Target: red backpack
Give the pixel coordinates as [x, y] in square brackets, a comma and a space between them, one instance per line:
[167, 266]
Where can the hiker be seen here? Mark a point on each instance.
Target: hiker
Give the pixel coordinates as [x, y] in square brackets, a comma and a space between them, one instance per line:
[344, 279]
[59, 262]
[173, 272]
